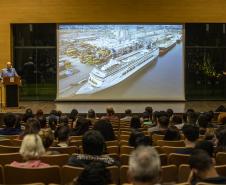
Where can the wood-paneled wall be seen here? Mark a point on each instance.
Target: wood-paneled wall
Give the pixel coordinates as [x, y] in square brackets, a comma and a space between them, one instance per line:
[104, 11]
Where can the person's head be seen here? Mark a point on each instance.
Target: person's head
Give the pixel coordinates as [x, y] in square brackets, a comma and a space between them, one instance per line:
[185, 115]
[82, 125]
[172, 134]
[91, 114]
[203, 121]
[110, 111]
[149, 110]
[105, 128]
[137, 138]
[93, 143]
[206, 146]
[29, 113]
[32, 126]
[63, 134]
[128, 112]
[201, 164]
[135, 122]
[144, 166]
[32, 147]
[221, 138]
[176, 120]
[95, 173]
[191, 133]
[59, 113]
[9, 120]
[8, 65]
[73, 114]
[39, 113]
[47, 137]
[146, 116]
[163, 121]
[169, 112]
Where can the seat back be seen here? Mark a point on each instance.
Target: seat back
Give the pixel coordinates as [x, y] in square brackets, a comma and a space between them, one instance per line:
[112, 149]
[126, 149]
[46, 175]
[156, 137]
[112, 143]
[170, 149]
[169, 173]
[170, 143]
[59, 160]
[9, 149]
[5, 142]
[124, 137]
[221, 158]
[183, 172]
[114, 170]
[68, 173]
[65, 150]
[7, 158]
[178, 159]
[221, 170]
[124, 159]
[123, 174]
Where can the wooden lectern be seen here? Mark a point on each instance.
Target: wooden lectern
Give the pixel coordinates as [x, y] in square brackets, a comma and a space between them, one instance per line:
[10, 91]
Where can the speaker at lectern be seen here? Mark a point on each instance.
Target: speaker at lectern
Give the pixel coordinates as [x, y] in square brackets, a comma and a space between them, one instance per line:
[11, 90]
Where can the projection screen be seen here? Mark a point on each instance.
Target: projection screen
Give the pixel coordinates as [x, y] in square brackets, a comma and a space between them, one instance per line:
[120, 62]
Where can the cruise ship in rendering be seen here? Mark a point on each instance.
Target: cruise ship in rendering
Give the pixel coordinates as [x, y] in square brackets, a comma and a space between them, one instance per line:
[118, 69]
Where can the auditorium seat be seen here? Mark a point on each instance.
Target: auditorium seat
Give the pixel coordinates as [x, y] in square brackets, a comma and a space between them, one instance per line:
[59, 160]
[156, 137]
[68, 173]
[5, 142]
[126, 149]
[9, 136]
[221, 158]
[124, 174]
[113, 149]
[183, 172]
[169, 173]
[178, 159]
[124, 142]
[9, 149]
[76, 143]
[75, 138]
[46, 175]
[124, 137]
[112, 143]
[8, 158]
[114, 170]
[170, 149]
[170, 143]
[221, 170]
[64, 150]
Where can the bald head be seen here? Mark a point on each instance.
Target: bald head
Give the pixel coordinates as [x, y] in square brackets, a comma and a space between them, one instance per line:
[8, 65]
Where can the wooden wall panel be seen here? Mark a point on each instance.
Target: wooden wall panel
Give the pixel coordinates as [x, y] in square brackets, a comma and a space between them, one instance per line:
[104, 11]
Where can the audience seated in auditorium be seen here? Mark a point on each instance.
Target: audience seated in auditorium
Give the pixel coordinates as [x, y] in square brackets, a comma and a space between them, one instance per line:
[128, 115]
[95, 173]
[73, 115]
[63, 120]
[31, 150]
[91, 115]
[192, 117]
[42, 119]
[81, 126]
[137, 138]
[202, 123]
[93, 150]
[135, 122]
[110, 115]
[106, 129]
[10, 121]
[177, 121]
[32, 126]
[28, 114]
[144, 166]
[149, 110]
[47, 137]
[203, 170]
[185, 115]
[172, 134]
[191, 135]
[161, 127]
[221, 139]
[63, 134]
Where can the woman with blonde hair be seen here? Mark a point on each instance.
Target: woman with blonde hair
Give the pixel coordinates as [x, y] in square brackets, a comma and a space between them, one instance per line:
[31, 150]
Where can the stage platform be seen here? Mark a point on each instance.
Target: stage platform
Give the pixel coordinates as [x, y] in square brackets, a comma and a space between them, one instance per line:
[99, 107]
